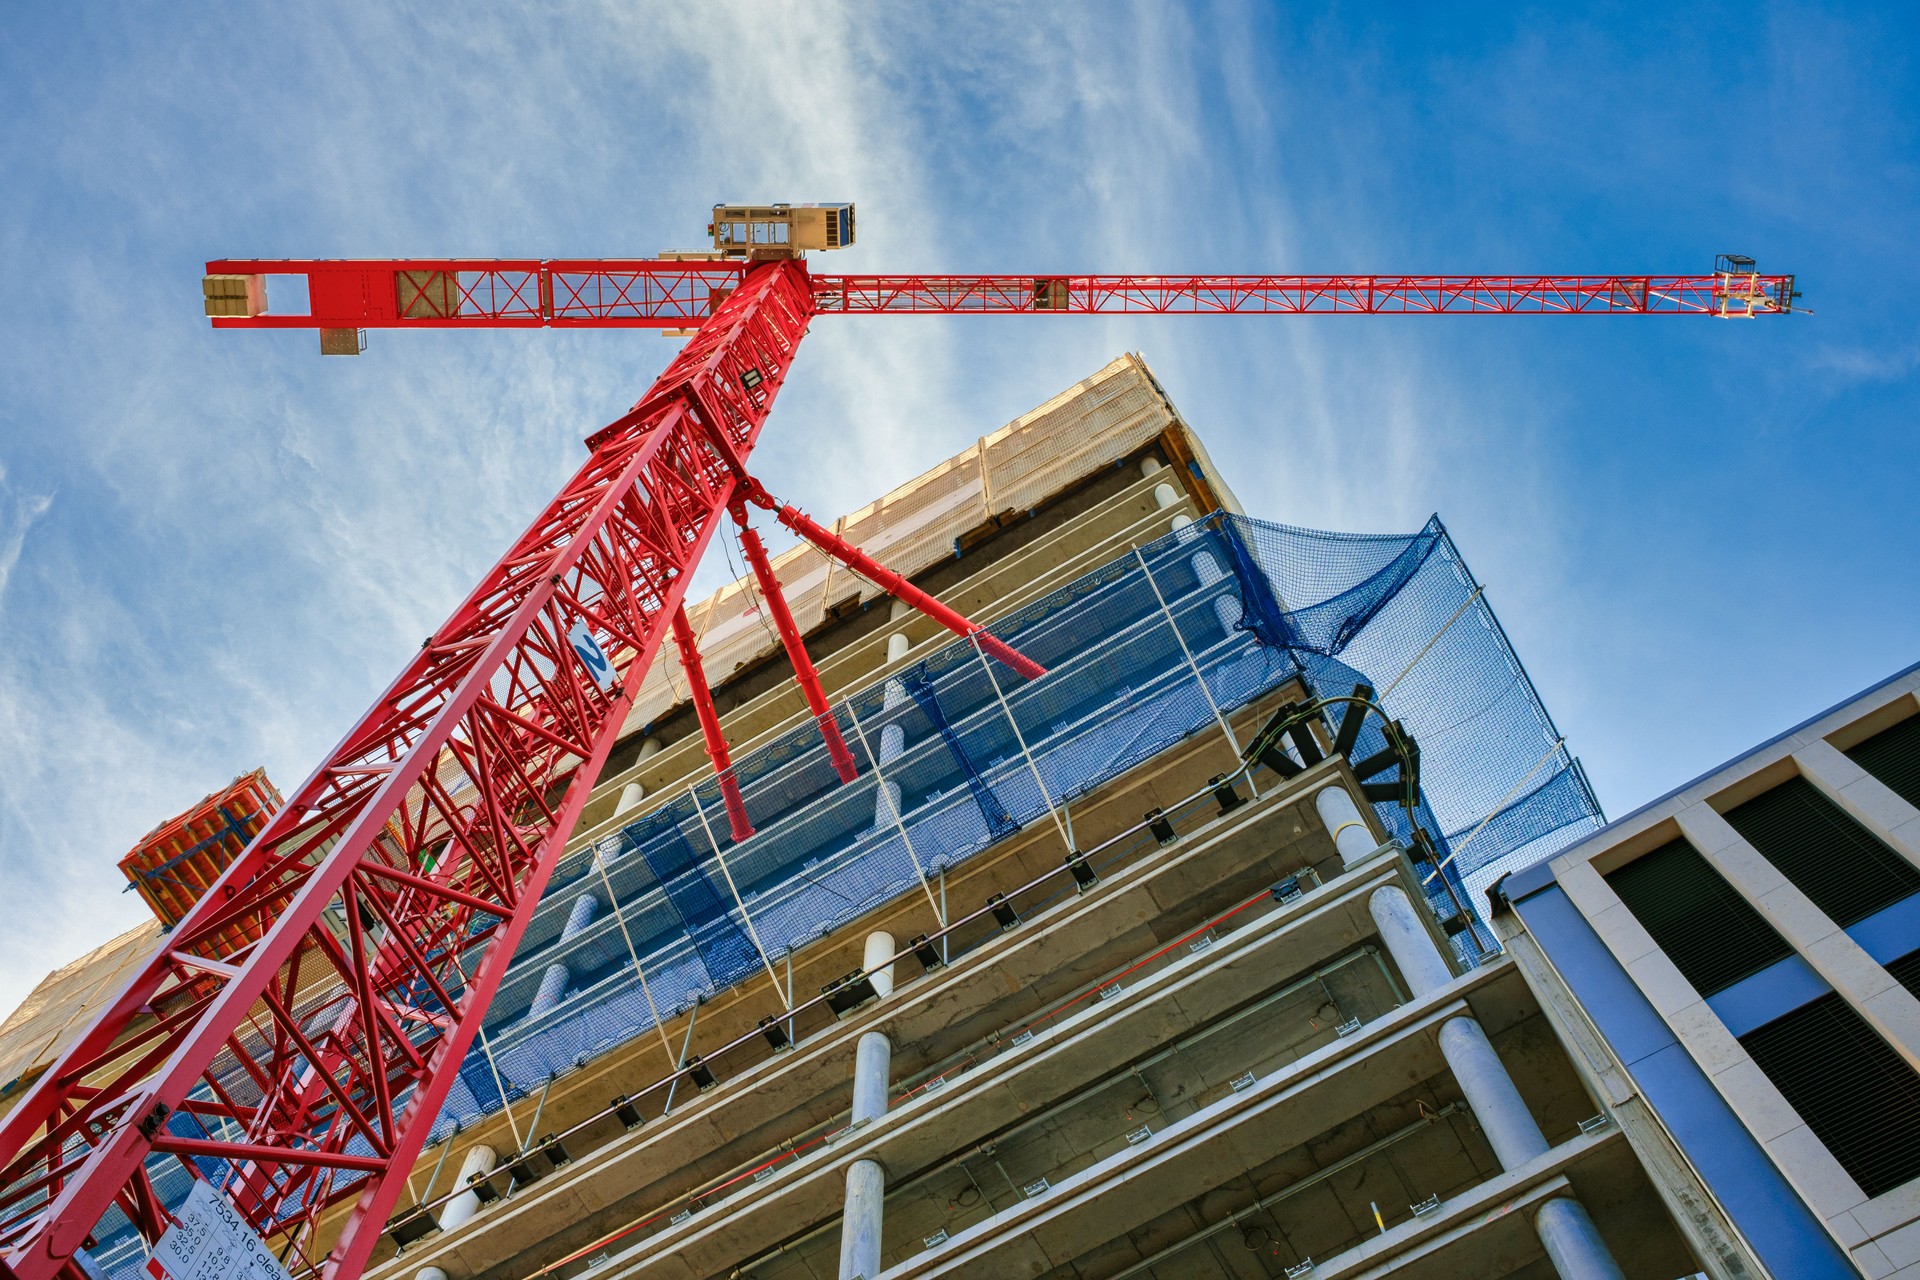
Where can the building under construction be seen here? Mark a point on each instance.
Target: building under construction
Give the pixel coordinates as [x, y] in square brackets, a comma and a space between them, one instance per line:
[1178, 962]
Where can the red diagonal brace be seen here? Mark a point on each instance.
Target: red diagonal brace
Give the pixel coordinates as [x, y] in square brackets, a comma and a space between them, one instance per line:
[893, 584]
[796, 648]
[710, 727]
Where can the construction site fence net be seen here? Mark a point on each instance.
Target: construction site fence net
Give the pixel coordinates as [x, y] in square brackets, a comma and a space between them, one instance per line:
[957, 752]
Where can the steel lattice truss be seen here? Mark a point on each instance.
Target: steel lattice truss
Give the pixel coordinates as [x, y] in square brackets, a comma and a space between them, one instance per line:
[391, 890]
[573, 293]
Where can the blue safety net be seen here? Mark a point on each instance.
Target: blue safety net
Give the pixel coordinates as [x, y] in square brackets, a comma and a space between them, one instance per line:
[954, 752]
[957, 752]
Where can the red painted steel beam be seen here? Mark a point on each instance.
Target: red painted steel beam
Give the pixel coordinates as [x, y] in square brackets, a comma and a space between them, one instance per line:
[443, 293]
[893, 584]
[443, 812]
[709, 717]
[803, 671]
[1710, 294]
[492, 293]
[280, 1155]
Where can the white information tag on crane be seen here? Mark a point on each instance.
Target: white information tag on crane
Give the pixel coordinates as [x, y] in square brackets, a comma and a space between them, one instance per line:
[211, 1241]
[592, 656]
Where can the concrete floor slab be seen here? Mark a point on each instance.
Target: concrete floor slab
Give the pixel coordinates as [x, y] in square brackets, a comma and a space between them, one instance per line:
[1233, 1137]
[1148, 903]
[1064, 1056]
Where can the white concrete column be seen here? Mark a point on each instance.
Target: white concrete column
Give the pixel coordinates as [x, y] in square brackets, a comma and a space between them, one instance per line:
[1573, 1243]
[430, 1273]
[633, 793]
[860, 1229]
[630, 797]
[872, 1059]
[877, 960]
[893, 737]
[1150, 467]
[1482, 1077]
[893, 745]
[887, 807]
[456, 1212]
[1226, 609]
[1496, 1104]
[1564, 1228]
[1351, 834]
[1165, 495]
[1407, 940]
[585, 907]
[553, 983]
[860, 1225]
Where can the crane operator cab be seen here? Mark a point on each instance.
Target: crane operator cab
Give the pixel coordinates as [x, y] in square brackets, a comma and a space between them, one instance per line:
[761, 233]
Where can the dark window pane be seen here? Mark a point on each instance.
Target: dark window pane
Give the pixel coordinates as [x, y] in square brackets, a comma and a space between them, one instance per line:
[1839, 864]
[1893, 756]
[1707, 929]
[1858, 1096]
[1906, 971]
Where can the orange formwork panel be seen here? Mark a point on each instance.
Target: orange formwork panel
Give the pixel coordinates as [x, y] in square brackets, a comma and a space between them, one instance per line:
[178, 861]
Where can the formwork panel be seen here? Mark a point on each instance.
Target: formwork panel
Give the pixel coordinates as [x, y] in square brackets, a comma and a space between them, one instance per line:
[1097, 422]
[178, 861]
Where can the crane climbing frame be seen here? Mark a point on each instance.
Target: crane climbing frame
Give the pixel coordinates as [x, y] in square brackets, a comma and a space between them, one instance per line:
[386, 898]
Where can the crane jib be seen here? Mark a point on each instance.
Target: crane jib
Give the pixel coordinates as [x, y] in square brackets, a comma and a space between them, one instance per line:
[673, 295]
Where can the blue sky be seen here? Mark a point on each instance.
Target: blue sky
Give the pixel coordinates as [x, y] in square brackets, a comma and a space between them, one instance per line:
[216, 548]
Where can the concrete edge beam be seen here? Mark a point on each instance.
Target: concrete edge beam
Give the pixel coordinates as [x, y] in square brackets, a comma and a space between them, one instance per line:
[1403, 1045]
[1504, 1204]
[1066, 1056]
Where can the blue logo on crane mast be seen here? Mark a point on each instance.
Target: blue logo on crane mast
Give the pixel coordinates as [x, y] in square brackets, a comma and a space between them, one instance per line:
[592, 656]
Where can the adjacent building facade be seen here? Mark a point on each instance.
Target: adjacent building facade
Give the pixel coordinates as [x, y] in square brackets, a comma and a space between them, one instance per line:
[1739, 963]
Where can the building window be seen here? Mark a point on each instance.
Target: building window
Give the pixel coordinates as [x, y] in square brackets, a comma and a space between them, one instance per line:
[1906, 972]
[1711, 933]
[1847, 872]
[1893, 756]
[1858, 1096]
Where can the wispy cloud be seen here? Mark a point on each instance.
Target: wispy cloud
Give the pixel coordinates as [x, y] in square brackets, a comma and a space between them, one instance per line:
[18, 511]
[1865, 364]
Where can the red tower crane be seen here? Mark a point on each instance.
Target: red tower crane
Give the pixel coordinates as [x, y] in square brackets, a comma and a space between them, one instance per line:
[383, 902]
